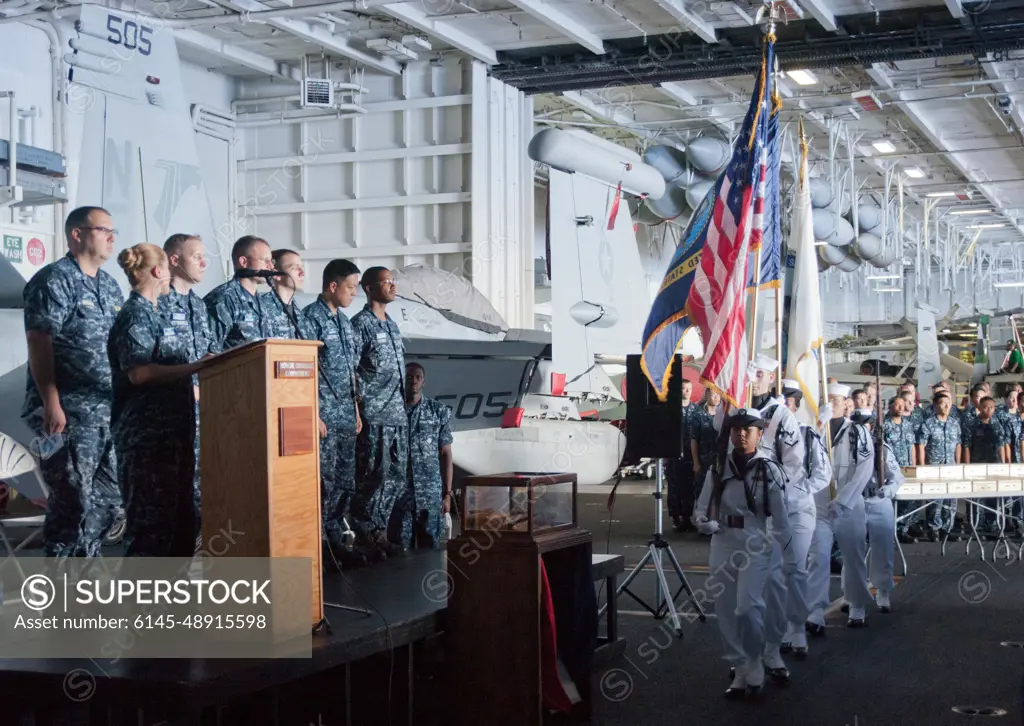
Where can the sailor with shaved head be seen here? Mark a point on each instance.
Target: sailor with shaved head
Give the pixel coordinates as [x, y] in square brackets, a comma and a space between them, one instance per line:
[186, 256]
[238, 313]
[70, 307]
[382, 449]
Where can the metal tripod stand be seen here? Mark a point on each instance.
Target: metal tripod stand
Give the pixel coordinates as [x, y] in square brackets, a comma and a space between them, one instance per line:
[657, 547]
[349, 536]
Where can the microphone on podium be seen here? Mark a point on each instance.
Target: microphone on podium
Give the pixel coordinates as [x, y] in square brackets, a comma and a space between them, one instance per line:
[266, 274]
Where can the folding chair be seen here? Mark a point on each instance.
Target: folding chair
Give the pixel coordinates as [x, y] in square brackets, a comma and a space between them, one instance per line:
[15, 461]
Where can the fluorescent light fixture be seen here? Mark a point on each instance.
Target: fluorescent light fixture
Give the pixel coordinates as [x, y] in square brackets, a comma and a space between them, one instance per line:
[884, 146]
[802, 77]
[913, 172]
[941, 194]
[888, 289]
[1008, 284]
[970, 211]
[947, 330]
[986, 226]
[883, 277]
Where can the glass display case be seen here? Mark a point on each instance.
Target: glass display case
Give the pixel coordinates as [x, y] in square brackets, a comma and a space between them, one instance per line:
[525, 502]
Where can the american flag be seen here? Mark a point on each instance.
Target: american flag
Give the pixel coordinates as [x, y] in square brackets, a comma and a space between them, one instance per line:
[716, 302]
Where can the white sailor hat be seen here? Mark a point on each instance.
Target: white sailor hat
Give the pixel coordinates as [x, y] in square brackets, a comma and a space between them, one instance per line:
[838, 389]
[788, 384]
[745, 417]
[862, 415]
[764, 363]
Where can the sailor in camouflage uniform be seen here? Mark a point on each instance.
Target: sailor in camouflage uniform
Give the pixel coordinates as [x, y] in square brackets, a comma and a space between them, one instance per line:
[70, 306]
[431, 468]
[1008, 416]
[239, 314]
[985, 443]
[153, 417]
[680, 471]
[703, 435]
[970, 414]
[939, 442]
[286, 318]
[339, 417]
[899, 434]
[382, 454]
[185, 310]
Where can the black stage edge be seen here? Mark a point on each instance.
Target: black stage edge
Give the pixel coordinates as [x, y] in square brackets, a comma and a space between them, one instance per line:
[406, 597]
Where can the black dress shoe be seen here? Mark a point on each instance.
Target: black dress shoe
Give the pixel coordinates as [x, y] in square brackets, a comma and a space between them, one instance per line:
[800, 653]
[786, 648]
[814, 629]
[735, 694]
[856, 623]
[732, 674]
[779, 675]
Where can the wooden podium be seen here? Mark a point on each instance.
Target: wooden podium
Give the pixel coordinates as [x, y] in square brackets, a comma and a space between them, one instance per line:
[259, 458]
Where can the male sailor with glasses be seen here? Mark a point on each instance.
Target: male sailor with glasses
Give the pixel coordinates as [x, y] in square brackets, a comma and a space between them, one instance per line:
[70, 307]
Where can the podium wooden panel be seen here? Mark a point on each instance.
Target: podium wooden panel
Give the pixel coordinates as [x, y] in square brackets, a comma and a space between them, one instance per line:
[259, 459]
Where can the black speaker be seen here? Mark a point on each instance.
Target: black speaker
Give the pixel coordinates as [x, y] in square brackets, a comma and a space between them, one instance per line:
[654, 429]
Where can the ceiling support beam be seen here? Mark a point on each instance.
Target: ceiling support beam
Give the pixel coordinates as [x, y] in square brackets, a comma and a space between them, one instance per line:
[413, 14]
[956, 8]
[680, 94]
[823, 13]
[236, 55]
[993, 70]
[319, 36]
[935, 133]
[695, 24]
[611, 113]
[556, 19]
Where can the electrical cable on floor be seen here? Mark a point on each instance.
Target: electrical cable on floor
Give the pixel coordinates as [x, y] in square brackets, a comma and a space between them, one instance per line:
[387, 628]
[611, 510]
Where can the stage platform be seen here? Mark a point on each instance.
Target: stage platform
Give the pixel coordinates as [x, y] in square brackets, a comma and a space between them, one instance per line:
[405, 596]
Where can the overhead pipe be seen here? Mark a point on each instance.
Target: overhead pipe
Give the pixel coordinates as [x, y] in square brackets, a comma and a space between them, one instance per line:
[58, 136]
[345, 111]
[12, 144]
[257, 16]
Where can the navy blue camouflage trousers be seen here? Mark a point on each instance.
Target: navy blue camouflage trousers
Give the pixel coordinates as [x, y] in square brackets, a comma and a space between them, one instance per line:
[158, 480]
[382, 462]
[84, 498]
[337, 481]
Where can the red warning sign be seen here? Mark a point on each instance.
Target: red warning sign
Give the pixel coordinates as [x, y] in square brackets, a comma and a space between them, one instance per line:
[35, 251]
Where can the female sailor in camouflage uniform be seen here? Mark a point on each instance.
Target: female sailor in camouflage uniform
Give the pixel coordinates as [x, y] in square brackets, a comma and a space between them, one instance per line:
[153, 419]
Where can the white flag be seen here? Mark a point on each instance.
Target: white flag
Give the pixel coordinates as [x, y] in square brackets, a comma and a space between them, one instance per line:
[806, 342]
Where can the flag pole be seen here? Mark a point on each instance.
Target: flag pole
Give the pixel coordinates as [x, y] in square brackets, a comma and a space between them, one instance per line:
[770, 11]
[753, 319]
[822, 373]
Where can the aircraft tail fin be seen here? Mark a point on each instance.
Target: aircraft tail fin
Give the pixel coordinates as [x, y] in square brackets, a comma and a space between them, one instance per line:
[599, 301]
